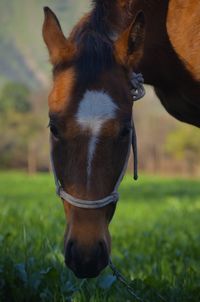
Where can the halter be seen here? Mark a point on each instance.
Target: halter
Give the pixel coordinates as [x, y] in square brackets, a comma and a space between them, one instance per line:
[138, 92]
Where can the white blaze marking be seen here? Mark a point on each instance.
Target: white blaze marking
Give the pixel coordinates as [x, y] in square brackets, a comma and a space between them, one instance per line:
[91, 151]
[96, 108]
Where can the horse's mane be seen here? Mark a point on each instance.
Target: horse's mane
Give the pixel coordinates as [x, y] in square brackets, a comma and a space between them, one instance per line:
[92, 38]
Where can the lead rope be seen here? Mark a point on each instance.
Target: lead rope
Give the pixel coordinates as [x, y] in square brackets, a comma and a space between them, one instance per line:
[135, 153]
[138, 92]
[127, 285]
[121, 279]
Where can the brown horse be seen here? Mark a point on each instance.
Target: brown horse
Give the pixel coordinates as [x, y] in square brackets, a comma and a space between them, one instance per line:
[91, 105]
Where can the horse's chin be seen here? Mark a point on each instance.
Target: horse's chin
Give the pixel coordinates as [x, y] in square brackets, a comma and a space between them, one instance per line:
[88, 273]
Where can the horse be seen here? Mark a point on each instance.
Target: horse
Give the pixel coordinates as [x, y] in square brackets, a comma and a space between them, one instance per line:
[90, 106]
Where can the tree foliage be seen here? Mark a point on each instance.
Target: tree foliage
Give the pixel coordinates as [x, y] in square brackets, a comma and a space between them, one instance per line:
[20, 127]
[15, 97]
[184, 141]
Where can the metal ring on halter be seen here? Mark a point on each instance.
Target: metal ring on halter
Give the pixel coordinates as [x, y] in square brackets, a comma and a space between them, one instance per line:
[137, 82]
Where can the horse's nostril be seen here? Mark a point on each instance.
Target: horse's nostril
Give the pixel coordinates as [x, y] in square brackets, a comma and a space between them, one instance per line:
[86, 261]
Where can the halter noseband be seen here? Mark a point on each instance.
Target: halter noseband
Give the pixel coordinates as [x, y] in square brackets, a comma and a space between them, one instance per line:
[138, 92]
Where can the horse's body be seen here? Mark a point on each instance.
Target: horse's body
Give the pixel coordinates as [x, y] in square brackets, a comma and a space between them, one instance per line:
[90, 106]
[171, 60]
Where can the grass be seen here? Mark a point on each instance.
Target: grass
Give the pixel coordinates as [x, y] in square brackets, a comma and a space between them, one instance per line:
[156, 242]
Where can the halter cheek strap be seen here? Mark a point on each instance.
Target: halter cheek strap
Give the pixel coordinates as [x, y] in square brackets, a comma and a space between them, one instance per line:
[138, 92]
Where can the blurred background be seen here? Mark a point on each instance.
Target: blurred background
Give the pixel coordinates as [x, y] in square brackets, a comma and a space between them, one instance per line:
[165, 145]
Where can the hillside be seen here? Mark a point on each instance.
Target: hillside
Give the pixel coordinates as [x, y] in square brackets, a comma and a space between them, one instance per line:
[23, 56]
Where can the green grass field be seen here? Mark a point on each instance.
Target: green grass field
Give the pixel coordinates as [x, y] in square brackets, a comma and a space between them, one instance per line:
[156, 242]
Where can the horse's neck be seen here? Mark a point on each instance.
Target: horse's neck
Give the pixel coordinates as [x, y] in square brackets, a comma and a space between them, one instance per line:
[183, 26]
[171, 62]
[172, 33]
[157, 44]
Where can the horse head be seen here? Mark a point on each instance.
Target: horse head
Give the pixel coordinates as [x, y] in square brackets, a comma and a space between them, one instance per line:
[90, 111]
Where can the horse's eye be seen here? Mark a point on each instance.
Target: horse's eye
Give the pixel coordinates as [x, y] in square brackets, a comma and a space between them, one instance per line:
[125, 131]
[54, 131]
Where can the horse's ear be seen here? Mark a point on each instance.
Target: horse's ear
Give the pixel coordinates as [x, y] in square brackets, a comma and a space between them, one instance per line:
[136, 34]
[129, 46]
[57, 44]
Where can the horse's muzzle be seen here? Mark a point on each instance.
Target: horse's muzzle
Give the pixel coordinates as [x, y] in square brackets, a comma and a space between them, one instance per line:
[86, 262]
